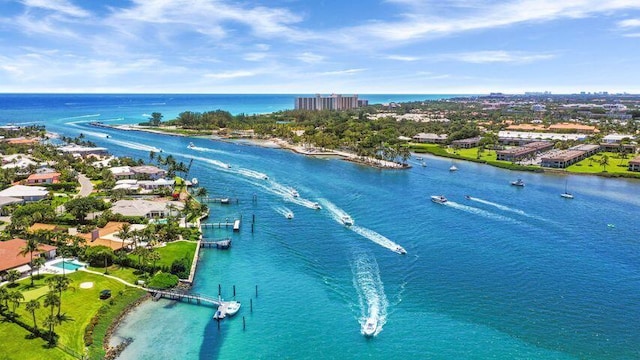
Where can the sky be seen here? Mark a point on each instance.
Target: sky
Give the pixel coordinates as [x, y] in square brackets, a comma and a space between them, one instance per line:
[319, 46]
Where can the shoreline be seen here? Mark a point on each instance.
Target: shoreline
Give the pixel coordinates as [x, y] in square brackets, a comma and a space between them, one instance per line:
[112, 352]
[274, 143]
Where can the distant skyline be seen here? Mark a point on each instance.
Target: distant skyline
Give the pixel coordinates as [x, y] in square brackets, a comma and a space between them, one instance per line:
[304, 47]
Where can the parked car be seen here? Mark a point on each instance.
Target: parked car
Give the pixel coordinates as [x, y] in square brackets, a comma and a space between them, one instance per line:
[105, 294]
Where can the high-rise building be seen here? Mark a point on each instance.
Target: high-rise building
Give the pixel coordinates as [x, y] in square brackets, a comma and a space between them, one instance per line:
[331, 102]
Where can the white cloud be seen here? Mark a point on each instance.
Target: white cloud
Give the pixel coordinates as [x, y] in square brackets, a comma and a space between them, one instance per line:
[60, 6]
[632, 35]
[343, 72]
[231, 74]
[629, 23]
[403, 58]
[310, 58]
[483, 57]
[256, 56]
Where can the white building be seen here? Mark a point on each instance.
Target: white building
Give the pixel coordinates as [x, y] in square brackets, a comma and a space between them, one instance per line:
[26, 193]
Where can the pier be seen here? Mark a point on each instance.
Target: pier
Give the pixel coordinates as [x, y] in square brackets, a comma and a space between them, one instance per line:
[223, 224]
[196, 298]
[223, 201]
[219, 244]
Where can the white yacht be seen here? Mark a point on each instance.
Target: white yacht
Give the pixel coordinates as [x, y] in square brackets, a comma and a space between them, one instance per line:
[400, 250]
[453, 168]
[370, 326]
[232, 307]
[518, 182]
[346, 220]
[316, 206]
[567, 195]
[440, 199]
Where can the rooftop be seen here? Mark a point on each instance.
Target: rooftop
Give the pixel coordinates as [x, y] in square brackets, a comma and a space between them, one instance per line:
[10, 253]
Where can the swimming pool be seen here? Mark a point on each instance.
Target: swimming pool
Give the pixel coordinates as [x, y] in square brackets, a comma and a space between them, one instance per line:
[68, 265]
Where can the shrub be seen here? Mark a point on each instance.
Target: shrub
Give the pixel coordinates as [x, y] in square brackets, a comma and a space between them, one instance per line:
[163, 281]
[180, 268]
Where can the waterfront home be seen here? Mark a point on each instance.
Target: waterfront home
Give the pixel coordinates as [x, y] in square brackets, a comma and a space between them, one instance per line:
[430, 138]
[147, 208]
[26, 193]
[466, 143]
[634, 164]
[524, 151]
[17, 161]
[46, 178]
[106, 236]
[21, 141]
[122, 172]
[10, 258]
[82, 151]
[150, 171]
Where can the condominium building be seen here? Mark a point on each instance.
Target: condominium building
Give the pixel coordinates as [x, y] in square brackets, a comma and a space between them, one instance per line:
[331, 102]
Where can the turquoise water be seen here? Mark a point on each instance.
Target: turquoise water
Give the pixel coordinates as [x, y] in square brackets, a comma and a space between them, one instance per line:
[68, 265]
[512, 273]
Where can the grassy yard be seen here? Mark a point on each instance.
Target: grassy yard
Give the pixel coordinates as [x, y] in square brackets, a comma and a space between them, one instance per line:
[126, 274]
[172, 251]
[79, 306]
[16, 344]
[617, 165]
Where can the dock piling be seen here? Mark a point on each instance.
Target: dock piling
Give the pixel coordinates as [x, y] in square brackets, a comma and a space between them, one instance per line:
[256, 290]
[219, 290]
[251, 305]
[244, 325]
[234, 291]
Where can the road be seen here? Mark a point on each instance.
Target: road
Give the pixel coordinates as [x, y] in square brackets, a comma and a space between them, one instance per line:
[86, 187]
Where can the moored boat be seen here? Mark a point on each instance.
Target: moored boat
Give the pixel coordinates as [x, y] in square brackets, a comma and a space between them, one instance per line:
[232, 307]
[566, 194]
[440, 199]
[370, 326]
[453, 168]
[518, 182]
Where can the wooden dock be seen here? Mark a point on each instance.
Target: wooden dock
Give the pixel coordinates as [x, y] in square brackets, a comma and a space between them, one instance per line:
[223, 224]
[223, 200]
[174, 295]
[219, 244]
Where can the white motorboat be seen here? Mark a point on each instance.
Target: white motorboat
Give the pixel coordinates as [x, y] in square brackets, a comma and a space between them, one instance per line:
[423, 163]
[316, 206]
[566, 194]
[440, 199]
[265, 177]
[370, 326]
[518, 182]
[191, 146]
[225, 201]
[294, 193]
[346, 220]
[289, 215]
[400, 250]
[453, 168]
[232, 307]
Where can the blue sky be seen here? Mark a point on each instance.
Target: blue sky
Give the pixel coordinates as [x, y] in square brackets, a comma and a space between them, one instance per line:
[295, 46]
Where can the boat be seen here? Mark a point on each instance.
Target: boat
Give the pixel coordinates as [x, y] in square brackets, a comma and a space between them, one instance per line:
[225, 201]
[232, 307]
[566, 194]
[316, 206]
[346, 220]
[440, 199]
[194, 181]
[518, 182]
[294, 193]
[289, 215]
[265, 177]
[400, 250]
[191, 146]
[370, 326]
[423, 163]
[468, 197]
[453, 168]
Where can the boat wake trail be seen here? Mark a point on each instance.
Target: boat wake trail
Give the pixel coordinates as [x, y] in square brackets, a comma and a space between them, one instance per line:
[79, 117]
[284, 211]
[214, 162]
[372, 300]
[480, 212]
[209, 150]
[335, 212]
[135, 146]
[253, 174]
[506, 208]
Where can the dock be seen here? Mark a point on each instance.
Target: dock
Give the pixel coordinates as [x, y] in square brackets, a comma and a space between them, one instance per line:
[223, 224]
[221, 306]
[223, 201]
[218, 244]
[236, 225]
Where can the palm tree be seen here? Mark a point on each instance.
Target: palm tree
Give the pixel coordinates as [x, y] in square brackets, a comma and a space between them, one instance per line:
[604, 161]
[51, 321]
[51, 299]
[15, 297]
[4, 296]
[125, 232]
[141, 252]
[29, 248]
[38, 263]
[201, 193]
[12, 276]
[31, 306]
[153, 257]
[58, 283]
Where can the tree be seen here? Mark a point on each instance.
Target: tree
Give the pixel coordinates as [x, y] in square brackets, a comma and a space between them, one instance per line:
[155, 119]
[81, 207]
[124, 233]
[58, 283]
[4, 296]
[31, 306]
[153, 257]
[201, 193]
[51, 299]
[141, 252]
[100, 254]
[51, 321]
[15, 297]
[38, 263]
[12, 276]
[604, 161]
[29, 248]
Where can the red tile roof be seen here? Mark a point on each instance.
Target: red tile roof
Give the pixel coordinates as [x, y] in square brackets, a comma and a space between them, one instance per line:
[10, 253]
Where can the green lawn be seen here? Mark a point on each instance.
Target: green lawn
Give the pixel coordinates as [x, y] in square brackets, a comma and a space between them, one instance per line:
[78, 305]
[616, 165]
[173, 251]
[16, 345]
[126, 274]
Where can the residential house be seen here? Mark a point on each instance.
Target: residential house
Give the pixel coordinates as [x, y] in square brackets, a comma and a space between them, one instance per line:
[148, 171]
[6, 201]
[26, 193]
[430, 138]
[634, 164]
[106, 236]
[147, 208]
[82, 151]
[10, 258]
[46, 178]
[466, 143]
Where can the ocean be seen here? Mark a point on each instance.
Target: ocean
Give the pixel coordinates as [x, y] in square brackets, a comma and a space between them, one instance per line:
[508, 273]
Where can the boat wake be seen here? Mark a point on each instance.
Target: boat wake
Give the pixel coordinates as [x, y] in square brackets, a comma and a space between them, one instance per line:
[135, 146]
[79, 117]
[253, 174]
[284, 211]
[335, 212]
[209, 150]
[214, 162]
[480, 212]
[499, 206]
[372, 300]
